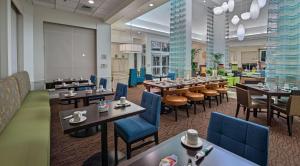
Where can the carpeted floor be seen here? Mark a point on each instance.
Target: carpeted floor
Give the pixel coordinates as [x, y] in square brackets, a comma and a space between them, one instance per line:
[69, 151]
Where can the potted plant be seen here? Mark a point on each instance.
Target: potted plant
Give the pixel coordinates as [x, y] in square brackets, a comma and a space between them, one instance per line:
[216, 60]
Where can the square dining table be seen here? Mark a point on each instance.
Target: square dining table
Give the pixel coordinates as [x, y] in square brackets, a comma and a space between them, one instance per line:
[216, 157]
[96, 118]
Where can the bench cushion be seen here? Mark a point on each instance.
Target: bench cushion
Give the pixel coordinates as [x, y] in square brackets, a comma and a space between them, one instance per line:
[23, 83]
[26, 140]
[9, 100]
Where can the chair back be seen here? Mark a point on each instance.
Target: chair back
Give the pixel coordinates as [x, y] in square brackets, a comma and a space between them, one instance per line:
[293, 103]
[148, 77]
[246, 139]
[243, 97]
[152, 103]
[132, 81]
[197, 89]
[121, 91]
[181, 92]
[143, 72]
[93, 79]
[212, 86]
[103, 82]
[172, 76]
[223, 84]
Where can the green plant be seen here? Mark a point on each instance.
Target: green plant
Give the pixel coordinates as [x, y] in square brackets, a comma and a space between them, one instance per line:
[216, 59]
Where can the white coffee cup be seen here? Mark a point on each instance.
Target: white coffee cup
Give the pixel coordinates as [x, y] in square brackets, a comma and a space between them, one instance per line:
[192, 137]
[122, 100]
[70, 92]
[101, 87]
[77, 116]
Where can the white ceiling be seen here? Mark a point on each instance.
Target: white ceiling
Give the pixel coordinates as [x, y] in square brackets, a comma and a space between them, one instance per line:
[158, 19]
[101, 8]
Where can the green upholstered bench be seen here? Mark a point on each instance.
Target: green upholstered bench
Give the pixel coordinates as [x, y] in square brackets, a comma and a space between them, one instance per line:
[25, 130]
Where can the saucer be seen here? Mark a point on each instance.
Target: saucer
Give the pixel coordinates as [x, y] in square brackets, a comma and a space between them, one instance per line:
[82, 118]
[198, 145]
[70, 95]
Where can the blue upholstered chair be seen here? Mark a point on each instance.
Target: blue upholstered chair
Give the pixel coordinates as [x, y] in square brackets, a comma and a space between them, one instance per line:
[93, 79]
[103, 82]
[121, 91]
[172, 76]
[132, 81]
[246, 139]
[141, 77]
[148, 77]
[137, 128]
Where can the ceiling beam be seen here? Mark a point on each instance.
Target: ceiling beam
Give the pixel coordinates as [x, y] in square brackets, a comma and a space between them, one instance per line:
[121, 9]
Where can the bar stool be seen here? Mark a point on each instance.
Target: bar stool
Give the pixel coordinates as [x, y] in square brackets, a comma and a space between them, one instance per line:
[211, 92]
[194, 96]
[175, 99]
[222, 90]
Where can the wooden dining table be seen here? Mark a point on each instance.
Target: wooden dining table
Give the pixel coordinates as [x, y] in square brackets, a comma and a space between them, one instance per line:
[166, 85]
[96, 118]
[269, 93]
[75, 86]
[85, 95]
[216, 157]
[51, 84]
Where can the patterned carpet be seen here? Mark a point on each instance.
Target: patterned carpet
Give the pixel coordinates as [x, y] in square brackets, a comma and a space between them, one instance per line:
[66, 150]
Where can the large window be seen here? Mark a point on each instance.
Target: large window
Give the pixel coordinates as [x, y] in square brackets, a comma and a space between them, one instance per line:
[160, 58]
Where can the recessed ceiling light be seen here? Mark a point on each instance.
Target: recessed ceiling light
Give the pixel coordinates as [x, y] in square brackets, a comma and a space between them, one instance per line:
[91, 1]
[204, 1]
[151, 4]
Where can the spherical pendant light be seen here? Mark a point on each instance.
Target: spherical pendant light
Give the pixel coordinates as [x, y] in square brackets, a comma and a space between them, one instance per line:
[254, 9]
[225, 7]
[241, 32]
[230, 5]
[262, 3]
[218, 10]
[235, 20]
[245, 16]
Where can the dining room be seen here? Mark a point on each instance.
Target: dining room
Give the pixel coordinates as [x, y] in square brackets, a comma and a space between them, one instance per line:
[149, 82]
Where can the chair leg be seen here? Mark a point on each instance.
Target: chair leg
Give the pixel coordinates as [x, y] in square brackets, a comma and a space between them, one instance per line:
[175, 110]
[128, 154]
[216, 97]
[194, 107]
[220, 98]
[209, 100]
[203, 103]
[278, 114]
[255, 112]
[116, 145]
[248, 114]
[226, 96]
[289, 124]
[156, 138]
[187, 110]
[237, 110]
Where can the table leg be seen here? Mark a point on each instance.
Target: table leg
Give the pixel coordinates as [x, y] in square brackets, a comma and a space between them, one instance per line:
[104, 151]
[86, 101]
[269, 110]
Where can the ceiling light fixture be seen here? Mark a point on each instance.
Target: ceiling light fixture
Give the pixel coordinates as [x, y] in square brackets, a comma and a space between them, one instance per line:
[262, 3]
[241, 32]
[218, 10]
[151, 4]
[225, 7]
[245, 16]
[230, 5]
[254, 9]
[91, 1]
[235, 20]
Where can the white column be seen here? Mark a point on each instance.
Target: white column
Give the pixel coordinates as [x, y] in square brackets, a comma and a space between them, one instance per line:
[188, 44]
[5, 38]
[104, 53]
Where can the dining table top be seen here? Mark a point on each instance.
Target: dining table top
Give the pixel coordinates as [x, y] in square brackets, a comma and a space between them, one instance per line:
[173, 83]
[64, 95]
[95, 117]
[72, 85]
[266, 90]
[216, 157]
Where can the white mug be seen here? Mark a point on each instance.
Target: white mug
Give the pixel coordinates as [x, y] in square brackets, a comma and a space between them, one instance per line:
[123, 100]
[77, 116]
[192, 137]
[101, 87]
[70, 92]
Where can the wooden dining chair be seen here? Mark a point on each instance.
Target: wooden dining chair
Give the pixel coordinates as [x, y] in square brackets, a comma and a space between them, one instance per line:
[291, 109]
[195, 96]
[175, 99]
[244, 99]
[222, 90]
[211, 92]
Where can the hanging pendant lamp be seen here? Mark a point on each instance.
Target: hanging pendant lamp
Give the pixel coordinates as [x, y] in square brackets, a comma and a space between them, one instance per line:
[241, 32]
[235, 20]
[230, 5]
[254, 9]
